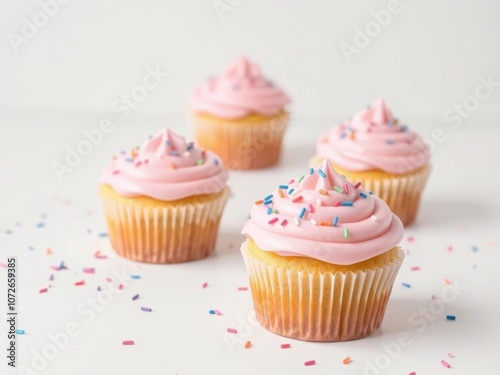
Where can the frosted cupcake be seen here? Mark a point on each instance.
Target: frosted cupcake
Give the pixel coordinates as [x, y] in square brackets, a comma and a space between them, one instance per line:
[163, 201]
[241, 116]
[388, 158]
[322, 256]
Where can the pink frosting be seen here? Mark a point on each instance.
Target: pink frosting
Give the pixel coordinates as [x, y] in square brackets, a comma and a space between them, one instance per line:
[166, 168]
[239, 91]
[373, 139]
[365, 226]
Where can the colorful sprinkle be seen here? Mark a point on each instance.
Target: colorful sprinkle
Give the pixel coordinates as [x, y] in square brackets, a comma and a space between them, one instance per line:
[313, 222]
[374, 218]
[79, 283]
[346, 189]
[311, 170]
[290, 191]
[267, 202]
[242, 288]
[300, 179]
[346, 204]
[358, 184]
[268, 197]
[128, 342]
[416, 268]
[297, 198]
[321, 173]
[302, 212]
[204, 285]
[269, 210]
[336, 203]
[411, 239]
[135, 277]
[217, 312]
[260, 201]
[319, 202]
[232, 330]
[283, 187]
[324, 192]
[325, 224]
[89, 270]
[199, 162]
[273, 220]
[281, 194]
[335, 221]
[406, 285]
[363, 195]
[338, 189]
[451, 317]
[310, 208]
[248, 345]
[44, 290]
[284, 222]
[346, 360]
[450, 355]
[296, 221]
[146, 309]
[310, 363]
[135, 297]
[285, 346]
[20, 331]
[445, 364]
[346, 233]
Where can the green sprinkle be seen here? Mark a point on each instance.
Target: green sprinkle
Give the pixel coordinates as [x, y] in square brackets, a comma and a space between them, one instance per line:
[300, 179]
[275, 211]
[338, 190]
[346, 233]
[199, 162]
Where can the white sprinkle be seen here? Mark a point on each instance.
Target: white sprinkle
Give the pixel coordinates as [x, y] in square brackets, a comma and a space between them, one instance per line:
[313, 222]
[318, 202]
[295, 192]
[187, 154]
[374, 218]
[297, 222]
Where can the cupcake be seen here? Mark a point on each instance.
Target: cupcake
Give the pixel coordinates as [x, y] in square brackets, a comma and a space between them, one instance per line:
[322, 256]
[241, 116]
[163, 201]
[384, 155]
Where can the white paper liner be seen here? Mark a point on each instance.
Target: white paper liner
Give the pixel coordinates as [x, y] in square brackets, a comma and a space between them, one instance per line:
[241, 145]
[164, 234]
[319, 307]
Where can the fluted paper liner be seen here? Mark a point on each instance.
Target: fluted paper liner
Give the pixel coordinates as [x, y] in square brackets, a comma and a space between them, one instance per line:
[164, 233]
[318, 306]
[242, 145]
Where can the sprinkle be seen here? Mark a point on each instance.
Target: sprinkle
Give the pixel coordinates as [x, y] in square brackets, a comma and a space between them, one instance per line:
[290, 191]
[297, 198]
[300, 179]
[128, 342]
[416, 268]
[109, 279]
[242, 288]
[217, 312]
[311, 170]
[199, 162]
[20, 331]
[103, 234]
[346, 360]
[232, 330]
[116, 172]
[135, 276]
[363, 195]
[284, 222]
[260, 201]
[324, 192]
[450, 355]
[318, 202]
[406, 285]
[248, 345]
[475, 249]
[267, 202]
[296, 221]
[335, 221]
[358, 184]
[336, 204]
[449, 248]
[212, 312]
[40, 225]
[89, 270]
[273, 220]
[302, 213]
[216, 162]
[283, 187]
[268, 197]
[447, 281]
[204, 285]
[48, 251]
[99, 288]
[138, 164]
[147, 309]
[321, 173]
[175, 153]
[44, 290]
[98, 255]
[285, 346]
[135, 297]
[291, 181]
[451, 317]
[389, 142]
[275, 211]
[269, 210]
[281, 194]
[120, 287]
[313, 222]
[51, 278]
[3, 265]
[346, 204]
[338, 190]
[346, 233]
[373, 217]
[445, 364]
[325, 224]
[410, 239]
[310, 363]
[412, 373]
[79, 283]
[310, 208]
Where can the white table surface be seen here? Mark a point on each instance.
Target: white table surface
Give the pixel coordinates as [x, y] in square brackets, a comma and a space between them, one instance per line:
[456, 237]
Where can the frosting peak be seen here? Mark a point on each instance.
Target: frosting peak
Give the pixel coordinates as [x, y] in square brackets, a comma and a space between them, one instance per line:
[323, 216]
[165, 167]
[240, 90]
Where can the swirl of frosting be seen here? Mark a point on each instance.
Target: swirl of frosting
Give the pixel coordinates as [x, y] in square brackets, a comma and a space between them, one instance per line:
[323, 216]
[166, 168]
[373, 139]
[239, 91]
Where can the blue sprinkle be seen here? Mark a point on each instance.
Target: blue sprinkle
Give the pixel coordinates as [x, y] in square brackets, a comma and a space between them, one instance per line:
[123, 152]
[389, 141]
[346, 204]
[283, 186]
[267, 202]
[451, 317]
[475, 249]
[174, 153]
[129, 160]
[40, 225]
[302, 213]
[268, 197]
[311, 170]
[335, 221]
[269, 211]
[343, 135]
[20, 332]
[404, 128]
[168, 142]
[135, 276]
[406, 285]
[321, 173]
[211, 312]
[371, 192]
[291, 191]
[190, 146]
[389, 123]
[103, 234]
[216, 161]
[31, 248]
[363, 195]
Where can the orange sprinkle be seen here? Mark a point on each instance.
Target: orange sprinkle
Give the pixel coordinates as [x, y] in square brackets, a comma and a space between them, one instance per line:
[447, 281]
[172, 166]
[325, 224]
[48, 251]
[280, 192]
[248, 345]
[324, 192]
[352, 136]
[260, 201]
[346, 360]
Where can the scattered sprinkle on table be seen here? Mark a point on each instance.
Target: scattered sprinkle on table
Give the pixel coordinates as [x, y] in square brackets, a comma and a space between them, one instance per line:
[410, 239]
[445, 364]
[135, 297]
[450, 355]
[451, 317]
[204, 285]
[135, 277]
[147, 309]
[232, 330]
[416, 268]
[128, 342]
[248, 345]
[80, 283]
[20, 332]
[285, 346]
[310, 363]
[242, 288]
[43, 290]
[406, 285]
[89, 270]
[412, 373]
[346, 360]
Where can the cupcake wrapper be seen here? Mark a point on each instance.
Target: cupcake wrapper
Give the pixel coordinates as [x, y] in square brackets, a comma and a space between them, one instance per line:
[165, 233]
[242, 145]
[320, 307]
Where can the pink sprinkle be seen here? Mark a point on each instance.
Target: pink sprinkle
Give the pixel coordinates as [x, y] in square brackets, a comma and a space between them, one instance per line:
[217, 312]
[445, 364]
[138, 164]
[108, 279]
[449, 248]
[284, 222]
[336, 204]
[273, 220]
[116, 172]
[79, 283]
[410, 239]
[310, 208]
[3, 265]
[412, 373]
[310, 363]
[291, 181]
[346, 189]
[55, 268]
[242, 288]
[204, 285]
[44, 290]
[128, 342]
[416, 268]
[450, 355]
[120, 286]
[285, 346]
[358, 184]
[232, 330]
[89, 270]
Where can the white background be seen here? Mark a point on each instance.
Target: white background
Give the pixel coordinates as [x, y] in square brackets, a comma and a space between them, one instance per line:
[429, 57]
